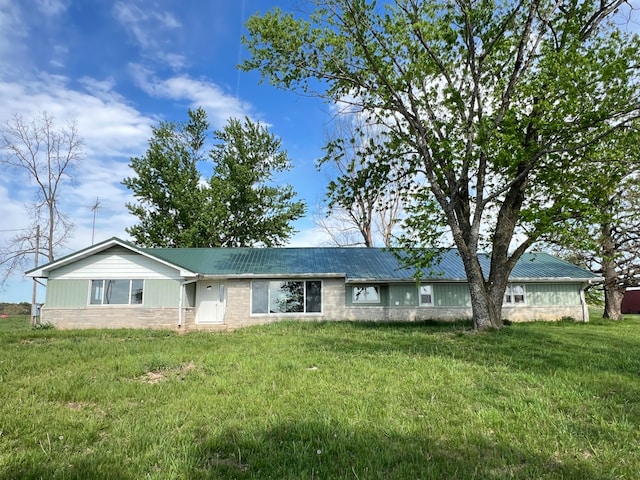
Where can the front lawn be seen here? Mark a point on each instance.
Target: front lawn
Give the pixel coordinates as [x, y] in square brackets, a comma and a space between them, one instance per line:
[322, 401]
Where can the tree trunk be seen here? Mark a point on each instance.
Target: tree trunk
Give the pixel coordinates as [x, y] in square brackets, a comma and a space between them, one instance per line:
[613, 291]
[613, 303]
[487, 313]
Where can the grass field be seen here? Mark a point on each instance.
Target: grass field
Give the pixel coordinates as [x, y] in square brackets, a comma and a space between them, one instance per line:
[322, 401]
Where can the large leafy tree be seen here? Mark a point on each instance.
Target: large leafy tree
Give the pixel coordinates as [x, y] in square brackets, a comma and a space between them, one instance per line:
[247, 206]
[490, 103]
[167, 185]
[239, 205]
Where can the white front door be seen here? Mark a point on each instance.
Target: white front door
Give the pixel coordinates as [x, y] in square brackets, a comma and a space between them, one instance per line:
[210, 302]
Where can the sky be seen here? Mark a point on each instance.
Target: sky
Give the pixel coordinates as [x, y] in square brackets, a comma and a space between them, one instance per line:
[117, 68]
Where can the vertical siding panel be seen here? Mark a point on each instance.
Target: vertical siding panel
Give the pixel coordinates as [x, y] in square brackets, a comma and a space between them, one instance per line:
[546, 294]
[67, 293]
[451, 295]
[405, 295]
[161, 293]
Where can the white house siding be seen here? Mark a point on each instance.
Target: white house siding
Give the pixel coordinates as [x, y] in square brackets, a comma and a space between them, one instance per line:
[115, 263]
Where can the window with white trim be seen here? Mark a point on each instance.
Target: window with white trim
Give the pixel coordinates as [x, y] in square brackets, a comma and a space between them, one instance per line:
[289, 296]
[366, 294]
[116, 292]
[515, 295]
[426, 295]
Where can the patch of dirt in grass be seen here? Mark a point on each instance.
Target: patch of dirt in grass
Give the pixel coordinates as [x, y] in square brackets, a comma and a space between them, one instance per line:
[230, 461]
[76, 405]
[156, 376]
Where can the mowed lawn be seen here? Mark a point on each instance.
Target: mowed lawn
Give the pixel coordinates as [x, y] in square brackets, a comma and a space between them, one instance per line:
[302, 400]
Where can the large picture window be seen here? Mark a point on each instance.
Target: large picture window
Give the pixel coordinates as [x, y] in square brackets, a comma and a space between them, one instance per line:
[116, 292]
[289, 296]
[366, 294]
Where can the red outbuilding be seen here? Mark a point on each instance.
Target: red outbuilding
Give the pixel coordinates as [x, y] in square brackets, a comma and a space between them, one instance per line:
[631, 301]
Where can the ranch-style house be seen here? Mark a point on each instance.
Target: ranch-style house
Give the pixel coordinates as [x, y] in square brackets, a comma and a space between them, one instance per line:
[116, 284]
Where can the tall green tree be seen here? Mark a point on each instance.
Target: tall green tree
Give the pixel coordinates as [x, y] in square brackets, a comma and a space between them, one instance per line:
[490, 103]
[239, 205]
[247, 206]
[167, 186]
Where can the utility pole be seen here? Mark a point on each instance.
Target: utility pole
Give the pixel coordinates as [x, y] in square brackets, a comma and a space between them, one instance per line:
[95, 209]
[34, 304]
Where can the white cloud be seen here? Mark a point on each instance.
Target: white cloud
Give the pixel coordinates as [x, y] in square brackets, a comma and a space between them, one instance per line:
[14, 30]
[220, 106]
[109, 125]
[150, 28]
[113, 131]
[52, 8]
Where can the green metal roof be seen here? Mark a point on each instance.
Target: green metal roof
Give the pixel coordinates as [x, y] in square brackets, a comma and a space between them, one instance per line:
[354, 263]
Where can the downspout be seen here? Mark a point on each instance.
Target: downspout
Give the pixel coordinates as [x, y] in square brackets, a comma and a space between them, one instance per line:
[583, 303]
[182, 288]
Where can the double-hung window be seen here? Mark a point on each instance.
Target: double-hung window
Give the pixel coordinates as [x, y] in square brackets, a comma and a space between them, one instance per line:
[288, 296]
[514, 295]
[426, 295]
[116, 292]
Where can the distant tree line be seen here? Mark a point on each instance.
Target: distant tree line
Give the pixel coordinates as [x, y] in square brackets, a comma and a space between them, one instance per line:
[22, 308]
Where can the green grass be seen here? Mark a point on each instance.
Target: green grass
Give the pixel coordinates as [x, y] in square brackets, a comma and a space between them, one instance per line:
[300, 400]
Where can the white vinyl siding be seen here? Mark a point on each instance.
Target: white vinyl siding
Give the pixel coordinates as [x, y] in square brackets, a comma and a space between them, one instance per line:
[115, 263]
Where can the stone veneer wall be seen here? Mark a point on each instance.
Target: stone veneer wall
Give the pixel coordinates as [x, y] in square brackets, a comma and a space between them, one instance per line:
[114, 317]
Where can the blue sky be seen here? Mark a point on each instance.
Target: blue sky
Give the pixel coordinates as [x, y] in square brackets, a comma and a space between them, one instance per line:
[120, 67]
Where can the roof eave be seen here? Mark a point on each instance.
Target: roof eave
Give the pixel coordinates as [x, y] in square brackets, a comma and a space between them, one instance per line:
[269, 276]
[43, 271]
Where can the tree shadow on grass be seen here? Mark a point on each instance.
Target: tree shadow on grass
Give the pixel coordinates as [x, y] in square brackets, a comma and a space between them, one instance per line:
[317, 450]
[74, 469]
[536, 350]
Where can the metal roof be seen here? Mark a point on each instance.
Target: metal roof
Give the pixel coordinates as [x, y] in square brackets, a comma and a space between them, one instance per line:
[354, 264]
[371, 264]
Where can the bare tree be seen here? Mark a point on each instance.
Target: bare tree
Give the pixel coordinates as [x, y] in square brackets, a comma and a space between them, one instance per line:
[46, 156]
[363, 208]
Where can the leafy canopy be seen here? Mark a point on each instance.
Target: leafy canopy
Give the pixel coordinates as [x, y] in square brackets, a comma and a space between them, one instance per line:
[239, 205]
[488, 107]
